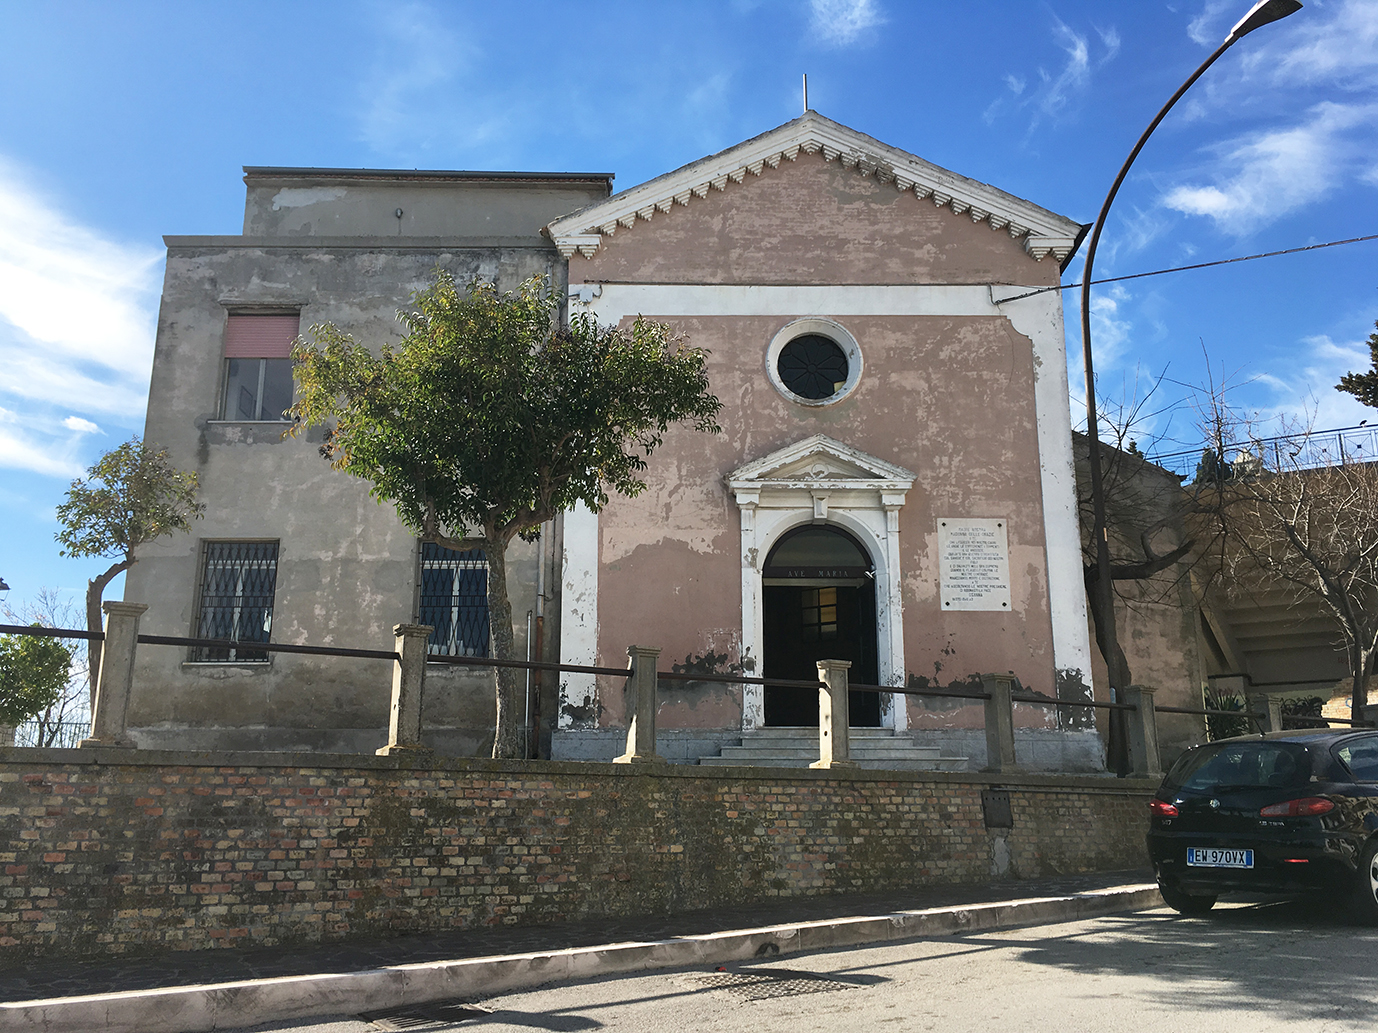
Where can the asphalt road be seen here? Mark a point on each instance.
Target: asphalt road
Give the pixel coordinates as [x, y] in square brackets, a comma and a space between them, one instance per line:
[1252, 968]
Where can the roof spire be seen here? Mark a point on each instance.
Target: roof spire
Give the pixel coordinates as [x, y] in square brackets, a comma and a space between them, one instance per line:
[806, 92]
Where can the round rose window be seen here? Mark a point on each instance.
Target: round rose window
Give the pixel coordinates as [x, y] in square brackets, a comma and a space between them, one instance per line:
[813, 366]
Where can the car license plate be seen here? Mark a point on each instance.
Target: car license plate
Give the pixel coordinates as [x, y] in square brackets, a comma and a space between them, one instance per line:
[1213, 857]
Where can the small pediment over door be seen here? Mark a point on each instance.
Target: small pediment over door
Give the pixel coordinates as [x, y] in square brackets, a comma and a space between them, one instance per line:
[820, 467]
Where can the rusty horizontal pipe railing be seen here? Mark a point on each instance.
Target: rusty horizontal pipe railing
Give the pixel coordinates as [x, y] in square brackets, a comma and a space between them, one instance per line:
[1259, 714]
[1199, 711]
[741, 679]
[266, 647]
[1044, 701]
[528, 665]
[42, 632]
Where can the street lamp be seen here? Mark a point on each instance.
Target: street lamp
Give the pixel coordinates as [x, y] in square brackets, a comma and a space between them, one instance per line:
[1103, 600]
[4, 590]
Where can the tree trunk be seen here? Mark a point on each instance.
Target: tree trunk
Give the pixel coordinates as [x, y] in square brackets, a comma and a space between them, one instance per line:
[1358, 692]
[95, 588]
[1117, 745]
[507, 741]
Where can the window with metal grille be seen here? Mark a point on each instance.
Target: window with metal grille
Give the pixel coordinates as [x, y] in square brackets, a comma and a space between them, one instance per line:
[454, 600]
[237, 584]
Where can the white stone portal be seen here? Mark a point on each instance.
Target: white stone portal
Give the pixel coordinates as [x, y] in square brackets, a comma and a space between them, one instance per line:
[822, 481]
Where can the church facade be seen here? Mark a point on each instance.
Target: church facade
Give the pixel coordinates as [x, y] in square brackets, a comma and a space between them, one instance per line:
[893, 484]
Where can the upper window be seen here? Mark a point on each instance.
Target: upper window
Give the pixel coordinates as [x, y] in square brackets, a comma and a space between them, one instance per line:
[814, 362]
[258, 366]
[454, 600]
[238, 581]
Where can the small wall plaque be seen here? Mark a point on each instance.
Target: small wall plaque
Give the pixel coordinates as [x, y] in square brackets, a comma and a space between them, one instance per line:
[974, 563]
[995, 805]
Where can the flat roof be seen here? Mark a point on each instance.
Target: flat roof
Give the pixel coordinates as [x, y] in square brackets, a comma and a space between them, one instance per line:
[285, 172]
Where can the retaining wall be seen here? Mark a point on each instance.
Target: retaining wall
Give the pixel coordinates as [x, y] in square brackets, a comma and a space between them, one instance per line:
[109, 851]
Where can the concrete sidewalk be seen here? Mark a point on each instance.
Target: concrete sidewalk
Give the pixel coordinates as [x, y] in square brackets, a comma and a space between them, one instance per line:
[208, 990]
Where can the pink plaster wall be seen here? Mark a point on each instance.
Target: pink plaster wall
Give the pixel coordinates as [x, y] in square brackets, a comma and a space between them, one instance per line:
[811, 221]
[951, 398]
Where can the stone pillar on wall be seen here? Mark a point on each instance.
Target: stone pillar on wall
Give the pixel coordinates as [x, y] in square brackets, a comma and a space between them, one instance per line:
[641, 708]
[110, 712]
[408, 689]
[999, 722]
[1263, 703]
[834, 716]
[1144, 756]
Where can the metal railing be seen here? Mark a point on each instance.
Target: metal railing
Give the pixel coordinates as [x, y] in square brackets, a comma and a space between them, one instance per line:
[999, 692]
[1306, 450]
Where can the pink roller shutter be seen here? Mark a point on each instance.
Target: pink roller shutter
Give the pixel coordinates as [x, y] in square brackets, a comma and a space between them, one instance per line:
[260, 337]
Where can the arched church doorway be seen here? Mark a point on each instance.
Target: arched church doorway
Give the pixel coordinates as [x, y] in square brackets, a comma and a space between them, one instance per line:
[818, 603]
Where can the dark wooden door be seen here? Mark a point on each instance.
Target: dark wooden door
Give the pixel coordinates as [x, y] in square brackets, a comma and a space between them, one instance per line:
[803, 625]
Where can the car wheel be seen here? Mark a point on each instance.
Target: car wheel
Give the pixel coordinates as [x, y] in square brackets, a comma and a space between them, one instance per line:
[1186, 903]
[1366, 885]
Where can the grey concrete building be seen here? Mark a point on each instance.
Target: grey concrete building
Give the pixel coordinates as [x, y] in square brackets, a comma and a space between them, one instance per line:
[289, 547]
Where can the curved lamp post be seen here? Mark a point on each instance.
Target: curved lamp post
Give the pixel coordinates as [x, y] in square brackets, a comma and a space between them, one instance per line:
[1103, 600]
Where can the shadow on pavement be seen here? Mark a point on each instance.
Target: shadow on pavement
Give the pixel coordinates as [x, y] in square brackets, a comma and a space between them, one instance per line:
[1292, 958]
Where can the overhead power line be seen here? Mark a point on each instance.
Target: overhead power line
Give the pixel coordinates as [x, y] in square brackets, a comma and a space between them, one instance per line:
[1198, 265]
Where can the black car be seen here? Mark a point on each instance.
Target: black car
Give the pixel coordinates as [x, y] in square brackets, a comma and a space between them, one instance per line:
[1288, 812]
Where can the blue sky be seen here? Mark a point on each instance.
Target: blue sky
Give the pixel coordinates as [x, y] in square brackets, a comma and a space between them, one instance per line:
[122, 122]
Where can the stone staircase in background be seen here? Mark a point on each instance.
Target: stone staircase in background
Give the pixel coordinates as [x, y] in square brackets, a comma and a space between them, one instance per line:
[874, 748]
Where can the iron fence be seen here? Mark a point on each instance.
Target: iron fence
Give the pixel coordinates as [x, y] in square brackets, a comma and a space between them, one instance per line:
[1307, 450]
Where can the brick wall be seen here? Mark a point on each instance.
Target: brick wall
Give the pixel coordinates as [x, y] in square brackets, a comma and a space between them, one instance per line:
[104, 851]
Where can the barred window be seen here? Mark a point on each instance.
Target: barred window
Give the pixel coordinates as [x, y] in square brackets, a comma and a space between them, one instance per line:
[237, 585]
[454, 600]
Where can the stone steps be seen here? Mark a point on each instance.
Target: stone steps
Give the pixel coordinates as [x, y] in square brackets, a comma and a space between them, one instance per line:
[871, 748]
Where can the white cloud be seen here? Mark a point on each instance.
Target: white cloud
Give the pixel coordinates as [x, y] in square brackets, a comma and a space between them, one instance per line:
[843, 22]
[413, 99]
[1266, 175]
[1323, 63]
[77, 319]
[1109, 329]
[1053, 92]
[1053, 97]
[1309, 386]
[1341, 50]
[1208, 28]
[68, 296]
[24, 446]
[1111, 338]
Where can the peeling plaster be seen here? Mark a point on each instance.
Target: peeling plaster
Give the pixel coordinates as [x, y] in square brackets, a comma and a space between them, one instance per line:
[300, 197]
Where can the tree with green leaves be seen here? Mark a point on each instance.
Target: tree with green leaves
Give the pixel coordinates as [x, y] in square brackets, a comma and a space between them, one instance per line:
[53, 725]
[1364, 386]
[33, 675]
[131, 497]
[489, 418]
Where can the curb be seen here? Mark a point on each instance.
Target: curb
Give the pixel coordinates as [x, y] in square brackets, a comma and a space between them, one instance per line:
[201, 1009]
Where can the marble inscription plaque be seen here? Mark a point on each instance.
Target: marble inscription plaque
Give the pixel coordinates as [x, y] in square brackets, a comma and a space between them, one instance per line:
[974, 563]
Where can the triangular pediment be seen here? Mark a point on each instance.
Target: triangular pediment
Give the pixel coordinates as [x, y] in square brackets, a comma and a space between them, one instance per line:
[820, 460]
[1041, 231]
